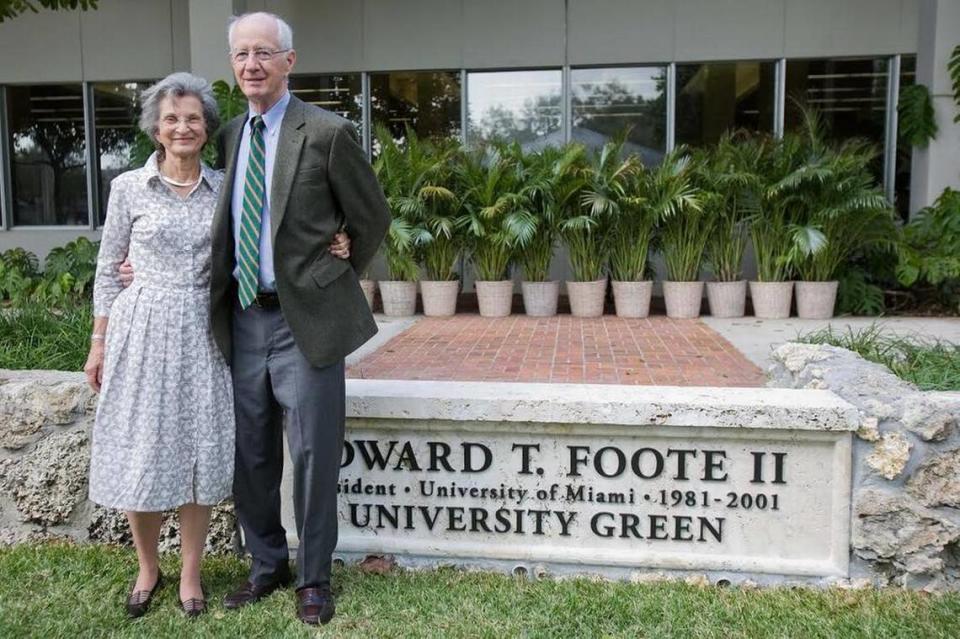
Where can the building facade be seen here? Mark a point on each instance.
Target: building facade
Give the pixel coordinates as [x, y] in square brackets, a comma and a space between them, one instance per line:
[539, 71]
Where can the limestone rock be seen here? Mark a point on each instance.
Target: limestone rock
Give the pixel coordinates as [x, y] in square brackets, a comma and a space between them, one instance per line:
[869, 430]
[110, 526]
[928, 420]
[890, 455]
[30, 401]
[937, 481]
[48, 483]
[891, 529]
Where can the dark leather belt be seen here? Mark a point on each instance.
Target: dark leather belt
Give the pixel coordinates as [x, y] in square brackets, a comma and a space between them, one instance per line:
[266, 300]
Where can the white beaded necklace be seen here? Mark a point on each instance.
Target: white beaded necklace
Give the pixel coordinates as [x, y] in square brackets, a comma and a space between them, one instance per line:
[173, 182]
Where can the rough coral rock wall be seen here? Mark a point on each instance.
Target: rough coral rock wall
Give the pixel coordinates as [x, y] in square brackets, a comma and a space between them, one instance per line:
[906, 468]
[45, 422]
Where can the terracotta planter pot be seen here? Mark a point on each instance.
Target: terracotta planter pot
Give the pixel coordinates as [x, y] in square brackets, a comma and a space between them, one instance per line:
[494, 298]
[727, 299]
[771, 300]
[816, 300]
[369, 288]
[586, 298]
[439, 297]
[632, 299]
[683, 299]
[399, 298]
[540, 298]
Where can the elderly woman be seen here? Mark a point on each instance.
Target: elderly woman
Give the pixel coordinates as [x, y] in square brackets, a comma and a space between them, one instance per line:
[164, 431]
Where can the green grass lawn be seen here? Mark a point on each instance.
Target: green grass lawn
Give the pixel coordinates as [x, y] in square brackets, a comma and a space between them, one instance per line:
[69, 591]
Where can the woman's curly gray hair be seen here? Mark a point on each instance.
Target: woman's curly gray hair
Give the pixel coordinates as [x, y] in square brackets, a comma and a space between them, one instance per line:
[177, 85]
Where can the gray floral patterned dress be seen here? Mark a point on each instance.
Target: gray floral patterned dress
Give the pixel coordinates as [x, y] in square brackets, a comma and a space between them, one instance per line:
[164, 430]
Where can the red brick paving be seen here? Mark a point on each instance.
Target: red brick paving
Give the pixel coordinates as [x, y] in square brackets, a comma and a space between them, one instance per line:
[606, 350]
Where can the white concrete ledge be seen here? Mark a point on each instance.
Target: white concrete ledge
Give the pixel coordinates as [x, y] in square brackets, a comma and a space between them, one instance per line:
[752, 408]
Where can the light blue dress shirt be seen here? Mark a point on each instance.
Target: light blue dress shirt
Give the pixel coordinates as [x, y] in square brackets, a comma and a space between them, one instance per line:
[271, 135]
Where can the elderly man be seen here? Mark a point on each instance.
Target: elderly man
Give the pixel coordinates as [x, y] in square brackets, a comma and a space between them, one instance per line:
[285, 311]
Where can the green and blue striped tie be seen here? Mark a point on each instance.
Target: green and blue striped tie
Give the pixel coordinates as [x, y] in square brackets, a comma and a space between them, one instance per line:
[250, 218]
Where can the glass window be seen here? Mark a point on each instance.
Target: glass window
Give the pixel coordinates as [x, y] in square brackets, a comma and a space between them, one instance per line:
[426, 101]
[341, 94]
[49, 154]
[116, 108]
[524, 106]
[850, 94]
[606, 102]
[715, 97]
[901, 189]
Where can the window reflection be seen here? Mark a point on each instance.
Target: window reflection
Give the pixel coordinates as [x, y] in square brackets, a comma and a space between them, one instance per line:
[606, 102]
[49, 154]
[522, 106]
[901, 189]
[119, 147]
[342, 94]
[426, 101]
[715, 97]
[850, 95]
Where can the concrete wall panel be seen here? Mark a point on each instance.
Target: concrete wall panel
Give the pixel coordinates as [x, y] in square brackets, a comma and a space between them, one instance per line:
[42, 47]
[620, 31]
[127, 40]
[826, 28]
[506, 33]
[415, 34]
[729, 29]
[328, 34]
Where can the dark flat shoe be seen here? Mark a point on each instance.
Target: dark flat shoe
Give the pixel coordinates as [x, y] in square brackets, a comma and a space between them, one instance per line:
[194, 607]
[138, 602]
[315, 606]
[249, 592]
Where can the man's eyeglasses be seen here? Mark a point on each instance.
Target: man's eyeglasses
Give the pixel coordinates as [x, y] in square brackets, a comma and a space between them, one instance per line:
[260, 55]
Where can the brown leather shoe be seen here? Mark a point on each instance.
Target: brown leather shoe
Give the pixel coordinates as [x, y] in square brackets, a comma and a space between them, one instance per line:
[138, 602]
[315, 605]
[250, 592]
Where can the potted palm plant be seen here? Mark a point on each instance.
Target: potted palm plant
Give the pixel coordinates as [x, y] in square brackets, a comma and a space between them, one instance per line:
[845, 212]
[685, 232]
[603, 186]
[369, 288]
[770, 226]
[432, 203]
[654, 194]
[727, 174]
[549, 181]
[496, 223]
[393, 170]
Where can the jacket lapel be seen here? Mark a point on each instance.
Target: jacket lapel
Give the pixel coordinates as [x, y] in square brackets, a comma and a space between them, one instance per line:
[285, 163]
[231, 146]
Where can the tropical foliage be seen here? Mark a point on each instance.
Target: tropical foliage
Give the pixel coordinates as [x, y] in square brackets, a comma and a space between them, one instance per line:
[727, 175]
[605, 191]
[930, 251]
[66, 278]
[496, 212]
[550, 184]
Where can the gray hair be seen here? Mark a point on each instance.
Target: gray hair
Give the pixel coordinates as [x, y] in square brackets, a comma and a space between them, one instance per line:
[177, 85]
[284, 32]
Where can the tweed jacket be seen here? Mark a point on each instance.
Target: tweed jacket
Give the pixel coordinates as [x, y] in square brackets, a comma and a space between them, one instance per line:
[321, 181]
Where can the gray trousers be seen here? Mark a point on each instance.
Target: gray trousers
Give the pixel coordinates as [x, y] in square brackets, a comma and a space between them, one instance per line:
[275, 387]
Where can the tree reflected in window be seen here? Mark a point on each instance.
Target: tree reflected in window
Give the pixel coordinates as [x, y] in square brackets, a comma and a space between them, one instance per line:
[426, 101]
[116, 108]
[49, 154]
[515, 106]
[607, 103]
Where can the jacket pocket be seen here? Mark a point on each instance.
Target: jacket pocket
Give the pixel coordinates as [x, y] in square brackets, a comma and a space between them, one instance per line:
[328, 268]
